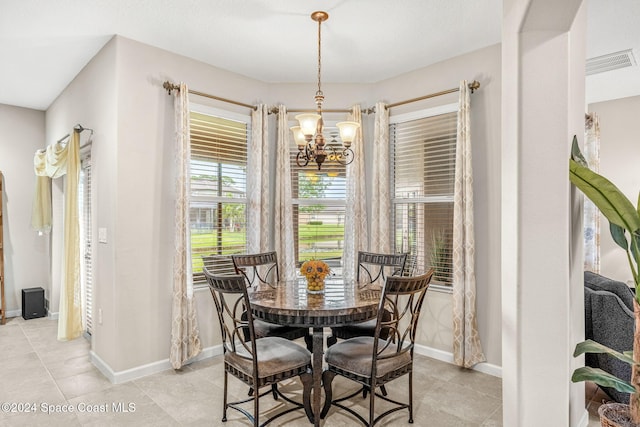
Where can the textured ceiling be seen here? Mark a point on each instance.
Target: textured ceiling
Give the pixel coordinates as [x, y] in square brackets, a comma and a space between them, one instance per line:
[44, 43]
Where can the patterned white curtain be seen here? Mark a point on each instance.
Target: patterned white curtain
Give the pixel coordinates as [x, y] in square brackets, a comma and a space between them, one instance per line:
[185, 340]
[258, 183]
[467, 349]
[380, 239]
[591, 213]
[355, 222]
[57, 160]
[283, 212]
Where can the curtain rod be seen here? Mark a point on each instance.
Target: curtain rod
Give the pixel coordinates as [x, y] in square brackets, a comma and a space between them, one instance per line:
[170, 87]
[274, 110]
[78, 128]
[473, 86]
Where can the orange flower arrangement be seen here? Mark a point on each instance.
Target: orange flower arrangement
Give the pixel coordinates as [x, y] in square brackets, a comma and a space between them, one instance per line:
[315, 270]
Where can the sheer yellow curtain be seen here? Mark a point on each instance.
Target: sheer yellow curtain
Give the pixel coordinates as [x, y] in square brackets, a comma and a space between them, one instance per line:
[41, 213]
[57, 160]
[70, 313]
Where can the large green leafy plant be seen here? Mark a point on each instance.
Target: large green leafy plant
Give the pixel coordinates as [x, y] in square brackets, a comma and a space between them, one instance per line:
[624, 224]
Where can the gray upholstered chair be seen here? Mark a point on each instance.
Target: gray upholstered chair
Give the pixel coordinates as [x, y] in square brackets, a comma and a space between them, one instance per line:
[609, 320]
[373, 361]
[258, 362]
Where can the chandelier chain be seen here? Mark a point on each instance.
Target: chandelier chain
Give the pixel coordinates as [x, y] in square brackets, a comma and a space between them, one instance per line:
[309, 135]
[319, 55]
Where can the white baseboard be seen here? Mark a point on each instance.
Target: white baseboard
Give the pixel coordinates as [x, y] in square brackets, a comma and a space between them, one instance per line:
[18, 313]
[445, 356]
[148, 369]
[163, 365]
[584, 421]
[13, 313]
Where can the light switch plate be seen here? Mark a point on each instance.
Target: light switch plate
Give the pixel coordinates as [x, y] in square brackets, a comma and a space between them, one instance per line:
[102, 235]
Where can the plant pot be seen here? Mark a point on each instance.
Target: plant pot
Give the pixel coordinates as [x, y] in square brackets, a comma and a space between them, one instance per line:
[615, 415]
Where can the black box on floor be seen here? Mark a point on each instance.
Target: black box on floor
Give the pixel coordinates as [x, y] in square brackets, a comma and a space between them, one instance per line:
[33, 303]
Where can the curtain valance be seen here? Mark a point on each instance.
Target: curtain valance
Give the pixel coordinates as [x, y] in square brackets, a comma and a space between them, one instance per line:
[48, 163]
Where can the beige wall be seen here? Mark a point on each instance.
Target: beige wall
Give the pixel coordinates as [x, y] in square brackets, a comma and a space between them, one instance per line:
[26, 255]
[90, 100]
[619, 154]
[120, 95]
[483, 65]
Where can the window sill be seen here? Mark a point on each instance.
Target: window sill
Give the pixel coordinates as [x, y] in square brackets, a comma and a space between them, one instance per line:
[200, 287]
[445, 289]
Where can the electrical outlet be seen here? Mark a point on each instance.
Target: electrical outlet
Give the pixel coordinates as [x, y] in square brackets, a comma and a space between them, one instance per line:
[100, 316]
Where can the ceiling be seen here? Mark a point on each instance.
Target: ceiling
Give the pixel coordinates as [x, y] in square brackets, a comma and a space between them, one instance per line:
[44, 43]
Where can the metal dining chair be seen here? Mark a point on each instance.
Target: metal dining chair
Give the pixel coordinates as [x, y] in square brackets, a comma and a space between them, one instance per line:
[375, 361]
[258, 361]
[263, 268]
[371, 268]
[257, 268]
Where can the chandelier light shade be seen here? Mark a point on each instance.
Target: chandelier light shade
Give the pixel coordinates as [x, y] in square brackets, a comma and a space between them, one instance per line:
[299, 137]
[308, 124]
[347, 132]
[308, 135]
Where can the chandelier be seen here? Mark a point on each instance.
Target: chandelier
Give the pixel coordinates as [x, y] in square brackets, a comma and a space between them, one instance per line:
[308, 135]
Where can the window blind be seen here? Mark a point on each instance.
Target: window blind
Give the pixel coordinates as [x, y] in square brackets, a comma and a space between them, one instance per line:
[86, 269]
[218, 203]
[318, 199]
[423, 165]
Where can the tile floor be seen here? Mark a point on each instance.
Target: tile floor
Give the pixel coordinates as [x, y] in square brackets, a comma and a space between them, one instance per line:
[37, 369]
[594, 397]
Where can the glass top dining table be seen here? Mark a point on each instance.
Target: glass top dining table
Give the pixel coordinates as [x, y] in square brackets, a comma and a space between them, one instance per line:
[289, 303]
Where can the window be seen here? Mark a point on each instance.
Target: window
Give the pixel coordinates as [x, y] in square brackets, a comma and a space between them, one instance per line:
[319, 206]
[86, 239]
[217, 213]
[423, 150]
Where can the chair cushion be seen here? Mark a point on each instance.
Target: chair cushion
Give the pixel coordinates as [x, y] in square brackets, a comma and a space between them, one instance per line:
[362, 329]
[367, 329]
[266, 329]
[354, 355]
[275, 355]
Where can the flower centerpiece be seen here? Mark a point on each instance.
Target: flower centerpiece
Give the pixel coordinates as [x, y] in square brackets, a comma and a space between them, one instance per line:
[315, 270]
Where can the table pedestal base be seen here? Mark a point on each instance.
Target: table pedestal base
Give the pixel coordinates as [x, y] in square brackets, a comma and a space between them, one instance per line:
[318, 351]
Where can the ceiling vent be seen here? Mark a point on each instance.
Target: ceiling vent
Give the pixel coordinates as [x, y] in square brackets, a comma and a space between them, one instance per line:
[611, 61]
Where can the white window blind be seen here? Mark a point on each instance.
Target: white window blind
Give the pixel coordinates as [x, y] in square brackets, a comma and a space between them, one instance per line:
[86, 239]
[423, 164]
[218, 191]
[319, 206]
